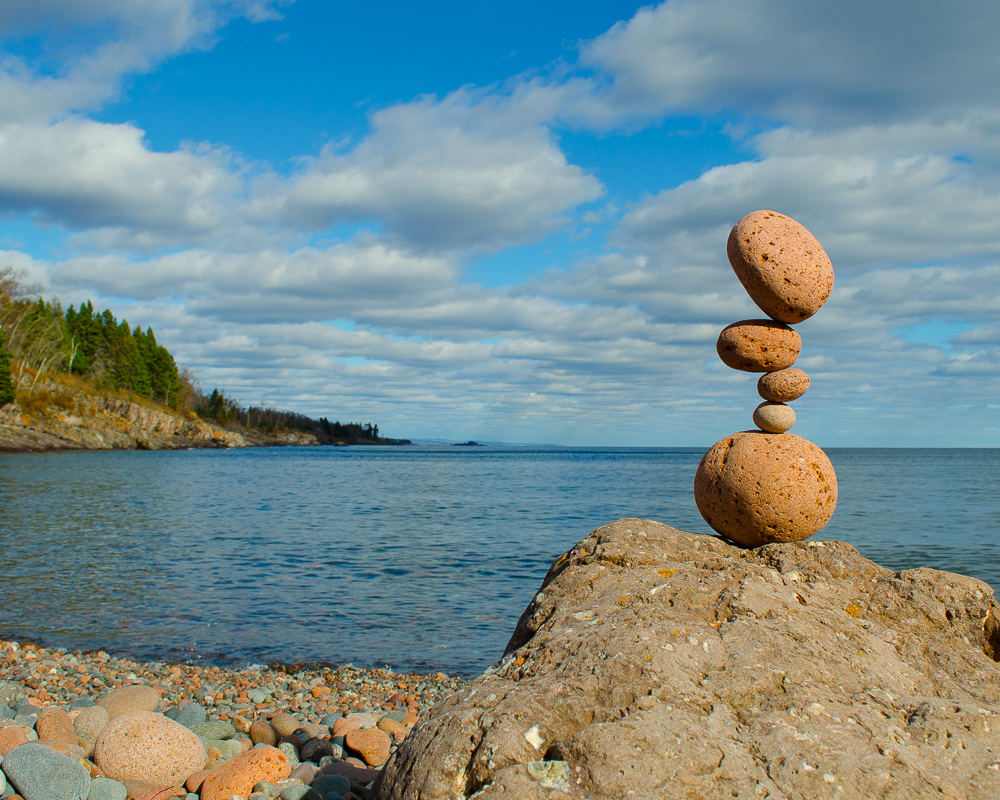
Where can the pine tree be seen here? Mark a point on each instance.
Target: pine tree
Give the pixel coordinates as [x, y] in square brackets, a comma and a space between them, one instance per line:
[7, 392]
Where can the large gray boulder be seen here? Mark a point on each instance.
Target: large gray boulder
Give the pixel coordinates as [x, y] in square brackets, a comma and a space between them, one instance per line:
[656, 663]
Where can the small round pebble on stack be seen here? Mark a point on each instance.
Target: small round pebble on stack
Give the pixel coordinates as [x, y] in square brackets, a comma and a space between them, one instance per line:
[762, 486]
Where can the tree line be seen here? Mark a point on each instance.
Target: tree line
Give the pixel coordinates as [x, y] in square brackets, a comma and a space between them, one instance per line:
[39, 337]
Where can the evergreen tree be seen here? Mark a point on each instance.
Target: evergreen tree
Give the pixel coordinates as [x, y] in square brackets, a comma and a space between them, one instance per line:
[7, 392]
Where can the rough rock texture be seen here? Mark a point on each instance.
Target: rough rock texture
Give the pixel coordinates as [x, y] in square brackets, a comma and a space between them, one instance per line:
[758, 345]
[784, 385]
[774, 417]
[784, 269]
[93, 422]
[240, 775]
[756, 488]
[661, 664]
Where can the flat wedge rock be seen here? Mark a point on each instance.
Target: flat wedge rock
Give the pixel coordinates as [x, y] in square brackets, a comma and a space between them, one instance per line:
[774, 417]
[758, 345]
[756, 488]
[786, 272]
[783, 386]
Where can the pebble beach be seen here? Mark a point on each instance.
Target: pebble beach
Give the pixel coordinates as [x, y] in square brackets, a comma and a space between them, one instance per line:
[92, 726]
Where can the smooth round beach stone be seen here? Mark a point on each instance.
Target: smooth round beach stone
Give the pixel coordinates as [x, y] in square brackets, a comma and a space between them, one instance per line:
[263, 732]
[371, 745]
[148, 746]
[755, 488]
[40, 773]
[136, 697]
[758, 345]
[54, 723]
[783, 386]
[786, 272]
[774, 417]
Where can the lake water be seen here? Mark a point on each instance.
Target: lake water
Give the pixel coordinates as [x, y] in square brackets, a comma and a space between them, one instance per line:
[416, 557]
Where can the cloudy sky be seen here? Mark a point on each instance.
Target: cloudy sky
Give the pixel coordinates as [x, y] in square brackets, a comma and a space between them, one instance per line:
[507, 220]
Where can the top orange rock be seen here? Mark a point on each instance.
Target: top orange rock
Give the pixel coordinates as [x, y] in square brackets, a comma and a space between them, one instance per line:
[784, 269]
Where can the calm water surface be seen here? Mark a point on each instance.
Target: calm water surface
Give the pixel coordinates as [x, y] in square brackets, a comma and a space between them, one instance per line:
[417, 557]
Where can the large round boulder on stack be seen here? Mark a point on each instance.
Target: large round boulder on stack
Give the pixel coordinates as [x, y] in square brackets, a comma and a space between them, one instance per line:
[755, 488]
[786, 272]
[758, 345]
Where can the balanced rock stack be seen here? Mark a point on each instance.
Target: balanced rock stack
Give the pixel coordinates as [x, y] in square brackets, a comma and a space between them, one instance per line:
[767, 485]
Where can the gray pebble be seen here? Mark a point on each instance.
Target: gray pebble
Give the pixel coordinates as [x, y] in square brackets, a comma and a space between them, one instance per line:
[397, 716]
[82, 702]
[6, 712]
[257, 696]
[333, 796]
[212, 729]
[229, 748]
[193, 714]
[10, 692]
[107, 789]
[325, 784]
[300, 793]
[26, 720]
[290, 752]
[263, 787]
[39, 773]
[329, 719]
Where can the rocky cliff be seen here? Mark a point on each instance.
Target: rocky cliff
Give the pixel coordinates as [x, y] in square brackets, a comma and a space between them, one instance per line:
[76, 419]
[655, 663]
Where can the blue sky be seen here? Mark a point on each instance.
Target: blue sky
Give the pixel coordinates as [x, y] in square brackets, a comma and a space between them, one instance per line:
[507, 221]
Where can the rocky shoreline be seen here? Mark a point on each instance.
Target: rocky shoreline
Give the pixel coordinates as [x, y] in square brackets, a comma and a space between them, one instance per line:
[328, 727]
[75, 419]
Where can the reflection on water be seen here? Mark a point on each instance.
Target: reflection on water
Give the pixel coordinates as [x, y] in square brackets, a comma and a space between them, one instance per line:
[416, 557]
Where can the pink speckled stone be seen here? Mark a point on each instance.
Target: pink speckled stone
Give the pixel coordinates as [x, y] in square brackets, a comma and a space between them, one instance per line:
[150, 747]
[756, 488]
[758, 345]
[786, 272]
[130, 698]
[90, 722]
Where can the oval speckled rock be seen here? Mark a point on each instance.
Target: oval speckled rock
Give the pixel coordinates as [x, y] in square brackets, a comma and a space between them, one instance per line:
[756, 488]
[783, 386]
[774, 417]
[240, 775]
[135, 697]
[786, 272]
[148, 746]
[758, 345]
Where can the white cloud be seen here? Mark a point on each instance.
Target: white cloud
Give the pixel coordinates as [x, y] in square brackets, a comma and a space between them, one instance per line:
[469, 171]
[92, 175]
[825, 65]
